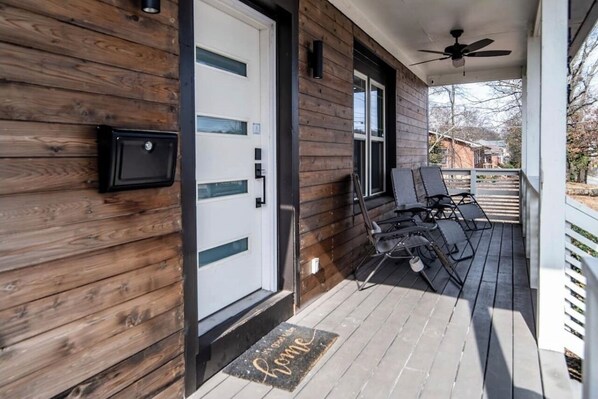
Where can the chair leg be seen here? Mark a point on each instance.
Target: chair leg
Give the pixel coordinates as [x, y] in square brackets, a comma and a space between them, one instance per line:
[453, 275]
[463, 257]
[471, 248]
[360, 286]
[429, 256]
[422, 272]
[452, 250]
[367, 255]
[427, 280]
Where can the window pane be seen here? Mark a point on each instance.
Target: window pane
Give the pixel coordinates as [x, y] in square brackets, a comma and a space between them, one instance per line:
[359, 111]
[221, 189]
[207, 124]
[377, 167]
[209, 58]
[359, 161]
[377, 111]
[223, 251]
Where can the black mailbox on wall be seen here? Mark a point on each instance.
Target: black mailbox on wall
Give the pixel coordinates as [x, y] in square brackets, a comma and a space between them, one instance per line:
[131, 159]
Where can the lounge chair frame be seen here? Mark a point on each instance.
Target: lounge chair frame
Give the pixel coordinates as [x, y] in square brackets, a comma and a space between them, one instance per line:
[396, 241]
[465, 209]
[451, 231]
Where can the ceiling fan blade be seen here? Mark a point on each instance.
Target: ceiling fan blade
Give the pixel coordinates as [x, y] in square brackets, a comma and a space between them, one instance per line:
[478, 45]
[490, 53]
[433, 52]
[436, 59]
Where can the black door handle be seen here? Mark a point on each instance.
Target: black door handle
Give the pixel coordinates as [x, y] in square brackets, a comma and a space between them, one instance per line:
[258, 175]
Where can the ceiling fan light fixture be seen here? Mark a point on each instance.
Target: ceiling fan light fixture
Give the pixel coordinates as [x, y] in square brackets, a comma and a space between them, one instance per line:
[458, 62]
[458, 51]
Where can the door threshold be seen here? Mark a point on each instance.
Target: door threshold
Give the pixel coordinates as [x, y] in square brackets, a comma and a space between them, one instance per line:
[226, 341]
[236, 310]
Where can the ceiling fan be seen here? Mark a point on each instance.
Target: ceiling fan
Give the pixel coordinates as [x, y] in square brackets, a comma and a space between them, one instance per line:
[458, 51]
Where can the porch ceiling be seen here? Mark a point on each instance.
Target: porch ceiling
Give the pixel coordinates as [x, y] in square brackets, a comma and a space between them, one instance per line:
[405, 26]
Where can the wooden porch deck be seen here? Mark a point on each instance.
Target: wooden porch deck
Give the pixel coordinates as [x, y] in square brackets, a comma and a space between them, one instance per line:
[399, 339]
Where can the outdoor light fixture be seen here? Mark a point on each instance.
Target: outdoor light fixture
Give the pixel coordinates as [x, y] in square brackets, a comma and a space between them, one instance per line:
[150, 6]
[458, 62]
[316, 59]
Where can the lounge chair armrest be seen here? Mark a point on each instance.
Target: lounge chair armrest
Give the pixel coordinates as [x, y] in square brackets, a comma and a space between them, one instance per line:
[394, 220]
[414, 213]
[438, 196]
[411, 209]
[463, 194]
[434, 201]
[401, 232]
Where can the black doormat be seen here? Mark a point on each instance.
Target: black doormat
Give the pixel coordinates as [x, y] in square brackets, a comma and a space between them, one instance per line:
[283, 357]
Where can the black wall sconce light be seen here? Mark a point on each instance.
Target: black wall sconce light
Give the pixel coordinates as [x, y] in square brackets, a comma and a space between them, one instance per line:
[316, 59]
[150, 6]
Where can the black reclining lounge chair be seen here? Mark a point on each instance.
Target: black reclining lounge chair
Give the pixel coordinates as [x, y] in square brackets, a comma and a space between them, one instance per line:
[399, 242]
[449, 231]
[461, 206]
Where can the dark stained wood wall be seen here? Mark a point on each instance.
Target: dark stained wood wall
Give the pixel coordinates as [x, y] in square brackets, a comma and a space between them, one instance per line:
[90, 284]
[328, 226]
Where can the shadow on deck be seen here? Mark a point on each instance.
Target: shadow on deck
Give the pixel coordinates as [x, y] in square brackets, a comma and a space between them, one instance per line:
[399, 339]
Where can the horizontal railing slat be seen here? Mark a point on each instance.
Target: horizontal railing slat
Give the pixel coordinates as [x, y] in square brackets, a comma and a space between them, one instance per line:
[575, 301]
[575, 288]
[581, 216]
[496, 190]
[576, 315]
[575, 275]
[576, 250]
[585, 241]
[575, 326]
[573, 261]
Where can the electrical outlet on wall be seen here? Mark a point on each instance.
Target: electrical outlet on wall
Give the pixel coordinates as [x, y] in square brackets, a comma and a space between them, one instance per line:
[315, 265]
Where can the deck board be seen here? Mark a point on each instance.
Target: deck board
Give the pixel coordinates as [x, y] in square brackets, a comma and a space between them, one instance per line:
[441, 375]
[397, 338]
[499, 367]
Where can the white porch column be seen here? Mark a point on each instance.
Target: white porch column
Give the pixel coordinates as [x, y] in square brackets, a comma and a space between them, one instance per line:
[531, 148]
[553, 103]
[522, 184]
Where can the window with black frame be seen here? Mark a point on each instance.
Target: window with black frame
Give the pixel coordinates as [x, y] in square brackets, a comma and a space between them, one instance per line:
[371, 98]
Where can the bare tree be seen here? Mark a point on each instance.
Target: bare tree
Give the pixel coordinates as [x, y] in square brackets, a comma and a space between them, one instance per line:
[582, 143]
[448, 130]
[582, 70]
[507, 97]
[582, 116]
[455, 118]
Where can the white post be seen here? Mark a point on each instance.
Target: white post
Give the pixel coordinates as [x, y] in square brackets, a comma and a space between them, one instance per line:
[590, 359]
[473, 181]
[532, 153]
[534, 243]
[553, 129]
[522, 182]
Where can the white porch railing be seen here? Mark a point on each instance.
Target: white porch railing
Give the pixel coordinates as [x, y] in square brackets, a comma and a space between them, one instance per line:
[580, 241]
[497, 190]
[590, 364]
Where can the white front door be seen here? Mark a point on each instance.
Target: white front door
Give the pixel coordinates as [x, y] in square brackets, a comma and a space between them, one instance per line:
[235, 153]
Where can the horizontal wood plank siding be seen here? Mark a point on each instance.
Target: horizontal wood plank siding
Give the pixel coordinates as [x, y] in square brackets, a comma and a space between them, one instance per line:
[91, 297]
[330, 225]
